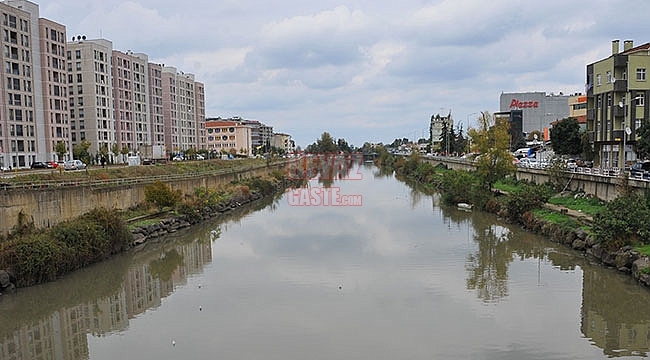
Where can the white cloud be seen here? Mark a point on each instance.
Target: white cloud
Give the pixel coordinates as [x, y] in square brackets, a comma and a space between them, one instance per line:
[381, 66]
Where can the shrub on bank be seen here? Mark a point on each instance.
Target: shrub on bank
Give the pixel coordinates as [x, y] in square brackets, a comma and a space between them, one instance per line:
[44, 255]
[626, 221]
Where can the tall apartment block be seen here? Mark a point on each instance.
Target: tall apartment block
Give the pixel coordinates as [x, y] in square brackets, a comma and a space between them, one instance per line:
[183, 115]
[90, 90]
[33, 103]
[617, 91]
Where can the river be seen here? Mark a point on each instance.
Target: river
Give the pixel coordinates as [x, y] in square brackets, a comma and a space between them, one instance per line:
[394, 275]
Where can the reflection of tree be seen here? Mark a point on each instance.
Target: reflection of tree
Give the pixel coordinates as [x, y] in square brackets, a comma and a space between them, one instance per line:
[164, 267]
[326, 168]
[488, 269]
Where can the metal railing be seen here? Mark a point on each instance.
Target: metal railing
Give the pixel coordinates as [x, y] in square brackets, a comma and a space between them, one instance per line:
[103, 183]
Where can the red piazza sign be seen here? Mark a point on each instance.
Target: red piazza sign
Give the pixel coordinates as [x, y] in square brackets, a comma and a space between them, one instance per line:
[523, 104]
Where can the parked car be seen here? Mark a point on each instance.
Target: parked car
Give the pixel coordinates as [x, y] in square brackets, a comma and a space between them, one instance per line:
[74, 165]
[52, 164]
[528, 162]
[178, 158]
[200, 157]
[39, 165]
[640, 170]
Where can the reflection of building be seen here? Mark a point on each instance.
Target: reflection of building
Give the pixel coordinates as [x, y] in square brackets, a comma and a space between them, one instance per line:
[619, 79]
[538, 109]
[64, 333]
[615, 318]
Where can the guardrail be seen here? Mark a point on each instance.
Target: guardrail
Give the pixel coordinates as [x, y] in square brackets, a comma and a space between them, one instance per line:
[53, 184]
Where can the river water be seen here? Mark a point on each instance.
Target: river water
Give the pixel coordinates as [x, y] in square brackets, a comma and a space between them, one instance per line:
[398, 276]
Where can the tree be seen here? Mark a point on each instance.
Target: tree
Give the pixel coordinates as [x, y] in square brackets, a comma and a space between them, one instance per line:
[492, 140]
[643, 140]
[323, 145]
[61, 149]
[80, 151]
[587, 149]
[565, 137]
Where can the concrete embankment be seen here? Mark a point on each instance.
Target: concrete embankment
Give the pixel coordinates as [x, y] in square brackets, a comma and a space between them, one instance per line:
[47, 206]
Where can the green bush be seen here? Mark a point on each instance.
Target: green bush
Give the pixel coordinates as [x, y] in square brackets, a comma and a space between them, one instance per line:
[626, 221]
[161, 195]
[68, 246]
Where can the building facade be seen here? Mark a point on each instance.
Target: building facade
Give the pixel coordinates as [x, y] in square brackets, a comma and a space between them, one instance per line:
[436, 126]
[617, 89]
[90, 92]
[538, 109]
[227, 136]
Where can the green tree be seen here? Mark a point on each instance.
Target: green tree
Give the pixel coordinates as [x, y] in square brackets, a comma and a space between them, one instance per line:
[587, 149]
[80, 151]
[61, 149]
[492, 140]
[565, 137]
[643, 140]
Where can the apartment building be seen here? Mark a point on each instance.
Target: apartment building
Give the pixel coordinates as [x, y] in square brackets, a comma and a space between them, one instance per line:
[90, 92]
[131, 94]
[617, 89]
[21, 100]
[578, 109]
[157, 126]
[229, 136]
[183, 118]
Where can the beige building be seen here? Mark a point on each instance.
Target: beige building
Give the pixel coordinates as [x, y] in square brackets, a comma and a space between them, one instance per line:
[283, 141]
[130, 94]
[183, 109]
[90, 82]
[228, 136]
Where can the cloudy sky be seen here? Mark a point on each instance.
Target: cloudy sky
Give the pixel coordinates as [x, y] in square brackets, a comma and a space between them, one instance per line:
[363, 70]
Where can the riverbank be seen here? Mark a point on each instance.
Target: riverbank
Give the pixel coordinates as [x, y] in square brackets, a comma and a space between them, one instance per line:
[30, 256]
[612, 237]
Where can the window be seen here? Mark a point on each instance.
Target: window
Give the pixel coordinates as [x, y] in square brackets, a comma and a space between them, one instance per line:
[640, 74]
[640, 99]
[77, 54]
[609, 77]
[598, 80]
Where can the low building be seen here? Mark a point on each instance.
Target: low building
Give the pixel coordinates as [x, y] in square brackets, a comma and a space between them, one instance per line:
[539, 109]
[229, 137]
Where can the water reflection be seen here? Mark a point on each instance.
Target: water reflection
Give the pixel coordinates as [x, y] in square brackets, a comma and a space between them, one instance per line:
[446, 282]
[615, 310]
[52, 321]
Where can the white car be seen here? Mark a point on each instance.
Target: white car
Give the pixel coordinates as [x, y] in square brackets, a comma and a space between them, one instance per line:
[200, 157]
[178, 158]
[74, 165]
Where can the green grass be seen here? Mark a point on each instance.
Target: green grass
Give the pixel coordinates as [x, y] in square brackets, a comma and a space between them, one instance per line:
[643, 249]
[556, 218]
[589, 206]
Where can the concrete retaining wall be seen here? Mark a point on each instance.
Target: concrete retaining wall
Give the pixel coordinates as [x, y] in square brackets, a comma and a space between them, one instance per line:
[49, 206]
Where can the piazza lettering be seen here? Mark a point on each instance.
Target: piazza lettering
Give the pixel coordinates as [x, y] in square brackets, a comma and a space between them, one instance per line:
[523, 104]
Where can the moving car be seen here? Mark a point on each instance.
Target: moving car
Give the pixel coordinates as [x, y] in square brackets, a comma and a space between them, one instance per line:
[74, 165]
[39, 165]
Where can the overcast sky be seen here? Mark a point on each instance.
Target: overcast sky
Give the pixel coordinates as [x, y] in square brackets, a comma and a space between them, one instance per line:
[363, 70]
